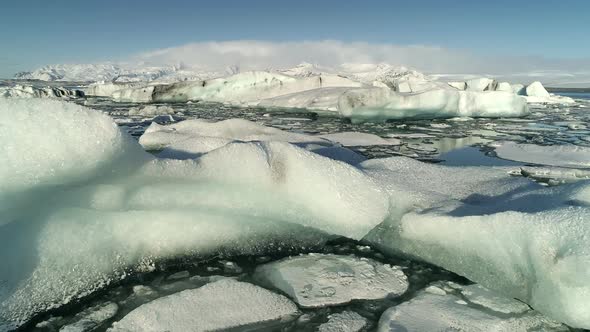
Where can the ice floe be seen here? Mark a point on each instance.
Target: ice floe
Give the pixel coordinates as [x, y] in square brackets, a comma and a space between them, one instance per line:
[553, 155]
[221, 305]
[451, 307]
[346, 321]
[318, 280]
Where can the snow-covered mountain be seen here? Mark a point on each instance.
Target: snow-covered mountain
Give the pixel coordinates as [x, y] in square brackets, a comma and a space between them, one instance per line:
[115, 73]
[124, 73]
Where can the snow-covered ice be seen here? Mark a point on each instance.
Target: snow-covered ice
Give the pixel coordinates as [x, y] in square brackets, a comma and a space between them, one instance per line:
[553, 155]
[221, 305]
[346, 321]
[442, 308]
[255, 188]
[318, 280]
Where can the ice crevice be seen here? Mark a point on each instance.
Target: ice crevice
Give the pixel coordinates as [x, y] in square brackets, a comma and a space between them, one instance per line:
[104, 208]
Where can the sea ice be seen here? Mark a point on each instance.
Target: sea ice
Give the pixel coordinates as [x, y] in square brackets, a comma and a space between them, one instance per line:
[73, 164]
[318, 280]
[553, 155]
[446, 310]
[221, 305]
[346, 321]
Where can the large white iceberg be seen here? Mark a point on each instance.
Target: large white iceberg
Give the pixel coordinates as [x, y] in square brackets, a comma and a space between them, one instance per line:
[411, 97]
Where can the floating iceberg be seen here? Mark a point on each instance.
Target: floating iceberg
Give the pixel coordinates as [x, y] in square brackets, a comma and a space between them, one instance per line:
[371, 104]
[407, 98]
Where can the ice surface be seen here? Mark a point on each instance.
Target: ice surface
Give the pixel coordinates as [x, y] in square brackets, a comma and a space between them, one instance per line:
[553, 155]
[82, 205]
[318, 280]
[246, 88]
[106, 89]
[446, 310]
[75, 164]
[221, 305]
[346, 321]
[359, 139]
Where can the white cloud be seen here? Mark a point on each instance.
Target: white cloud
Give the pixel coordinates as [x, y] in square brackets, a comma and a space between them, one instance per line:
[254, 54]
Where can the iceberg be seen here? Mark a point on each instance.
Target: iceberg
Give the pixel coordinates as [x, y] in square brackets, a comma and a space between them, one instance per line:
[383, 104]
[408, 97]
[346, 321]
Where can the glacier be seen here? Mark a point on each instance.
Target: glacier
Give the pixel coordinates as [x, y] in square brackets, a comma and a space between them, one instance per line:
[106, 209]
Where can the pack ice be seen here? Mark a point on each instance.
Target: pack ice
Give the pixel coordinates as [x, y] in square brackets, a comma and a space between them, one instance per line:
[83, 205]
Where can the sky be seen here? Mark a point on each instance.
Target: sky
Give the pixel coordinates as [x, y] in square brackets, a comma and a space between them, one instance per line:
[547, 33]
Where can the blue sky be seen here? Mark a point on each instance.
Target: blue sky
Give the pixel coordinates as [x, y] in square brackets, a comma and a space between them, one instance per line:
[35, 33]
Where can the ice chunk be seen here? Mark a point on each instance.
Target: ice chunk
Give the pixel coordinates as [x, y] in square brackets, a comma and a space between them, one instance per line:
[151, 110]
[346, 321]
[480, 84]
[536, 89]
[504, 86]
[553, 155]
[458, 85]
[324, 99]
[359, 139]
[106, 89]
[92, 318]
[519, 89]
[216, 134]
[482, 296]
[318, 280]
[381, 104]
[221, 305]
[448, 312]
[74, 164]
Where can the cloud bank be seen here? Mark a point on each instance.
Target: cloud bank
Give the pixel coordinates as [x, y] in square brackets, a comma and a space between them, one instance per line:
[254, 54]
